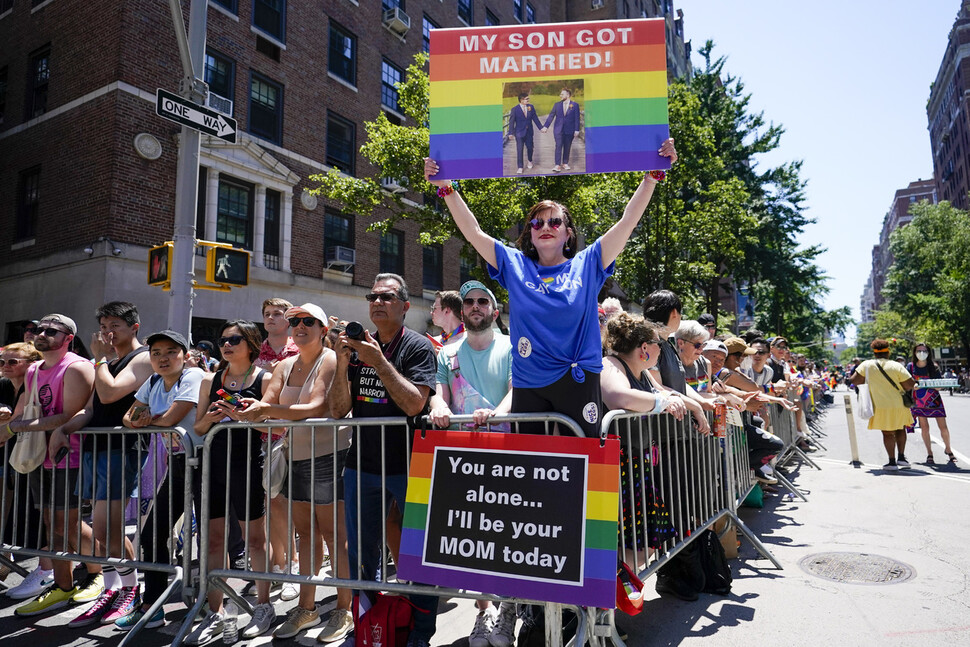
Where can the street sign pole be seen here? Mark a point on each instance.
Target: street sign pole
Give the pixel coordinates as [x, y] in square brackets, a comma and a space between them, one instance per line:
[192, 55]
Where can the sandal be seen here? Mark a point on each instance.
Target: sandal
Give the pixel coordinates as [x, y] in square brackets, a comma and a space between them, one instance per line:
[953, 459]
[929, 459]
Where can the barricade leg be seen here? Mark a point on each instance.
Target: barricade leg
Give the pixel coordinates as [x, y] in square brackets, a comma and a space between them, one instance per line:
[788, 485]
[761, 548]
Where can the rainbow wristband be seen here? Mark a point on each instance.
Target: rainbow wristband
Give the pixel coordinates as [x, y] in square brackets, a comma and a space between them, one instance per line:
[444, 191]
[658, 176]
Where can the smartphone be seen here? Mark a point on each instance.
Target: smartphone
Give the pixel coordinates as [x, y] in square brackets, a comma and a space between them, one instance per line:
[231, 398]
[137, 411]
[61, 453]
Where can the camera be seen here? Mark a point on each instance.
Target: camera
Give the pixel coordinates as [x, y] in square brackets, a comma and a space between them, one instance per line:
[355, 331]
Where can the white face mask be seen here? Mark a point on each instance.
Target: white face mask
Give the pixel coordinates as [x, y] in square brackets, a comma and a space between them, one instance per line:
[921, 355]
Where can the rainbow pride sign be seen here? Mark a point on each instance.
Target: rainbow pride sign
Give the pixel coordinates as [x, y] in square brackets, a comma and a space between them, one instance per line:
[615, 72]
[531, 517]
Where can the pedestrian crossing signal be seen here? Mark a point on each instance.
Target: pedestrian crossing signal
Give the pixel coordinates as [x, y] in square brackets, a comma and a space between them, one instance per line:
[159, 264]
[227, 266]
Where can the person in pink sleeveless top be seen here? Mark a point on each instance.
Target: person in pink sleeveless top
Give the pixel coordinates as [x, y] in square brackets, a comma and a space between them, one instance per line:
[64, 382]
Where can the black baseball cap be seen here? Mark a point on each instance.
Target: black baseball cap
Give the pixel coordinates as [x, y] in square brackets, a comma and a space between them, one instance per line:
[172, 336]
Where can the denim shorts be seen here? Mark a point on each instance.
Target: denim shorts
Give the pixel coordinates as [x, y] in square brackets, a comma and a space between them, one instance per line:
[118, 467]
[316, 477]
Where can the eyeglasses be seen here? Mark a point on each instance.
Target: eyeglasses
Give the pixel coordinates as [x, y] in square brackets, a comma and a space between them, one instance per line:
[31, 329]
[51, 332]
[11, 362]
[385, 297]
[307, 321]
[782, 347]
[697, 346]
[761, 352]
[481, 301]
[653, 342]
[537, 223]
[232, 340]
[710, 325]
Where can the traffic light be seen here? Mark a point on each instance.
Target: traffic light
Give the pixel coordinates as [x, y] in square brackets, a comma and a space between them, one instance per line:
[159, 264]
[227, 266]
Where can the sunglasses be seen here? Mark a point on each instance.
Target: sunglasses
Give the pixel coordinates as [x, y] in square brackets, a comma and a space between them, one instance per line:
[761, 352]
[696, 346]
[11, 362]
[31, 329]
[232, 340]
[481, 301]
[307, 321]
[782, 347]
[385, 297]
[51, 332]
[537, 223]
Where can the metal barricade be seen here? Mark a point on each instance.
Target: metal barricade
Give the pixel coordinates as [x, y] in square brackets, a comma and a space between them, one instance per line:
[324, 439]
[60, 532]
[698, 478]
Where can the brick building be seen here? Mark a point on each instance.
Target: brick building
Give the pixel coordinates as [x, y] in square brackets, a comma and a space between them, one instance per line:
[87, 170]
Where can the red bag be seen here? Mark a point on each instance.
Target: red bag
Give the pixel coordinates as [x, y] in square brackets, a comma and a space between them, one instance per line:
[629, 590]
[386, 624]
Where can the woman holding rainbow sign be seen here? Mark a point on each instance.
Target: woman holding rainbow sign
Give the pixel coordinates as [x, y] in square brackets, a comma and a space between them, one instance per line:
[552, 291]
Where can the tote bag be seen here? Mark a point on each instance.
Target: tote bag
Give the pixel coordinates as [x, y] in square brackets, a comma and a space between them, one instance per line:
[31, 448]
[866, 409]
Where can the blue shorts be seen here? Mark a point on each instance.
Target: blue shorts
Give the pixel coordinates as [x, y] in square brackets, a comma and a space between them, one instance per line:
[98, 469]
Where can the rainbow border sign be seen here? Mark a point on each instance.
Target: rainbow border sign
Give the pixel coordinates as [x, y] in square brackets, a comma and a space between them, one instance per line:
[620, 67]
[524, 516]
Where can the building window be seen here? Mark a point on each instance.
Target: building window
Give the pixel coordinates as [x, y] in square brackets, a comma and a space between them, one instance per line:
[343, 54]
[392, 4]
[465, 11]
[271, 229]
[517, 10]
[28, 202]
[530, 13]
[338, 231]
[341, 146]
[465, 268]
[392, 252]
[234, 215]
[220, 74]
[433, 267]
[229, 5]
[3, 94]
[37, 82]
[269, 16]
[426, 26]
[390, 76]
[265, 109]
[490, 19]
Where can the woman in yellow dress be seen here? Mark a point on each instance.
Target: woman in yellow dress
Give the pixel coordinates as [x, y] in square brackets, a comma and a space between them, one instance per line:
[891, 415]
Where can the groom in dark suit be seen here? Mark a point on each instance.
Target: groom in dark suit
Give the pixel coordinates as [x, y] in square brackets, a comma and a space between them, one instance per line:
[565, 114]
[521, 118]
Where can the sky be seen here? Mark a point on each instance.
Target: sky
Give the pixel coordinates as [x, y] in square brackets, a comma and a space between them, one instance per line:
[849, 82]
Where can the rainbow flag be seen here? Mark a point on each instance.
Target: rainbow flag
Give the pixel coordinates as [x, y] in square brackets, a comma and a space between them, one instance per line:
[595, 517]
[476, 74]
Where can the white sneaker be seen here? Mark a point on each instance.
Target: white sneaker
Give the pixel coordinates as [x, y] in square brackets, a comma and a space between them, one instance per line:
[263, 616]
[484, 623]
[290, 590]
[33, 585]
[212, 625]
[765, 474]
[503, 633]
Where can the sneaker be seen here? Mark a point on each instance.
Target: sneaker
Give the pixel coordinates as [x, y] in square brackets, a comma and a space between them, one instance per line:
[297, 620]
[53, 598]
[902, 463]
[96, 611]
[263, 616]
[274, 585]
[129, 599]
[212, 625]
[765, 474]
[90, 589]
[484, 623]
[503, 633]
[340, 624]
[36, 582]
[891, 466]
[291, 591]
[128, 622]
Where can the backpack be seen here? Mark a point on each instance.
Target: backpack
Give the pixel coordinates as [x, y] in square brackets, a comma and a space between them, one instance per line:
[387, 623]
[717, 572]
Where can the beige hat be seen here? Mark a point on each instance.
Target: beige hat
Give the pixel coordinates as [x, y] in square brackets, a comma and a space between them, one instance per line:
[67, 322]
[736, 345]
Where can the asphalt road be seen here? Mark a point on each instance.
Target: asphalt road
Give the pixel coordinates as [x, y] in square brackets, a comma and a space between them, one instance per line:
[918, 517]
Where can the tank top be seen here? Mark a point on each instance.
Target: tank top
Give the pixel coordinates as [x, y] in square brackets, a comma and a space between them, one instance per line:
[641, 383]
[112, 414]
[50, 392]
[240, 440]
[303, 444]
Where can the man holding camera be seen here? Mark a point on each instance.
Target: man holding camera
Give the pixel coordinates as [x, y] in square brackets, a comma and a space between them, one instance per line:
[393, 375]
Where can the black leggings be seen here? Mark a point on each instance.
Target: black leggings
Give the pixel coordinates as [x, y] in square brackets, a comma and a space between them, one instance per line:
[158, 526]
[582, 402]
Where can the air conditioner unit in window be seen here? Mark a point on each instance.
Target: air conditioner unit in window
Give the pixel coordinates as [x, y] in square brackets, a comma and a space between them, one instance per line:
[394, 184]
[397, 21]
[220, 104]
[340, 256]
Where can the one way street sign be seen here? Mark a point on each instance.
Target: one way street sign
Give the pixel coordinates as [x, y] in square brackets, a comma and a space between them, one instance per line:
[174, 108]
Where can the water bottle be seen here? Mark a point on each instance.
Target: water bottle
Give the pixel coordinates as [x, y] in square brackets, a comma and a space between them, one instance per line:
[230, 631]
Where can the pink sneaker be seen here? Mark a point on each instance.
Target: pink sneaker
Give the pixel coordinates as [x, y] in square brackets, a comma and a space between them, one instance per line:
[128, 600]
[96, 611]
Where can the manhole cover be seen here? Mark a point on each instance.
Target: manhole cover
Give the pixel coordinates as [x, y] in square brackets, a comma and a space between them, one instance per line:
[856, 568]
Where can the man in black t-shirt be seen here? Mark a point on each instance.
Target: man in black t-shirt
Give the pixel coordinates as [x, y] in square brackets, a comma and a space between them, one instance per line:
[394, 375]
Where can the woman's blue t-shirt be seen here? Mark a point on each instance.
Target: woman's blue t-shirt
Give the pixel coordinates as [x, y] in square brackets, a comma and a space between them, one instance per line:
[555, 323]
